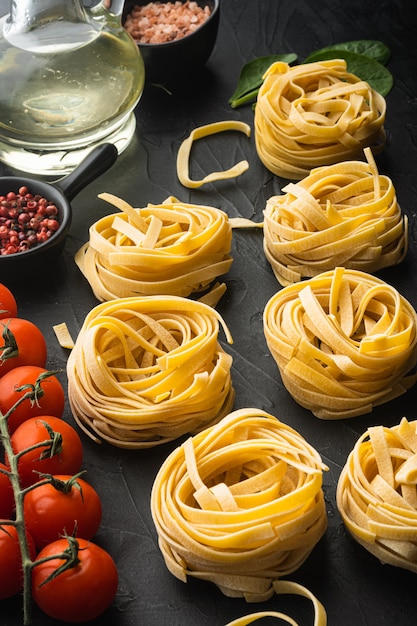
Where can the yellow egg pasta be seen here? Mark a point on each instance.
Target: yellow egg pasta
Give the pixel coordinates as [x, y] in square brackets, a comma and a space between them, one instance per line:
[183, 157]
[286, 587]
[63, 335]
[171, 248]
[315, 114]
[344, 214]
[240, 504]
[344, 342]
[147, 370]
[377, 493]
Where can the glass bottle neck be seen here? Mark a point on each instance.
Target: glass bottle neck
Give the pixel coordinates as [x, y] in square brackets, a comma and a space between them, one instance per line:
[44, 26]
[27, 14]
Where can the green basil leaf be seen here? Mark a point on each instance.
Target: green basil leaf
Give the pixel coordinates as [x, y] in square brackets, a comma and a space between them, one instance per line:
[371, 48]
[365, 68]
[250, 78]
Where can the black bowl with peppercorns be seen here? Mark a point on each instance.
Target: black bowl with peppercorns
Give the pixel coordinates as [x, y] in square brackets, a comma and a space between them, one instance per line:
[35, 216]
[175, 38]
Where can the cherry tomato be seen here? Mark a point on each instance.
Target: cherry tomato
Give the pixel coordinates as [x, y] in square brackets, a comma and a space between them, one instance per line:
[6, 494]
[11, 573]
[78, 594]
[66, 458]
[23, 344]
[8, 305]
[52, 402]
[66, 503]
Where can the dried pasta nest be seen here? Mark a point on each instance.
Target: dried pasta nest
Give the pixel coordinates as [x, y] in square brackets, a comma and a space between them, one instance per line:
[171, 248]
[345, 214]
[344, 342]
[377, 493]
[315, 114]
[240, 504]
[146, 370]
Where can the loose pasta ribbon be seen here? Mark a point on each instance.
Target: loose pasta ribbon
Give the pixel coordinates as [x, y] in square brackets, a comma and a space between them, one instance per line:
[345, 214]
[377, 493]
[183, 157]
[344, 342]
[315, 114]
[286, 587]
[166, 249]
[146, 370]
[240, 504]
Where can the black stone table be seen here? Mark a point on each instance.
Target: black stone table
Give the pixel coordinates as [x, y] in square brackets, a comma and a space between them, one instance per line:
[355, 588]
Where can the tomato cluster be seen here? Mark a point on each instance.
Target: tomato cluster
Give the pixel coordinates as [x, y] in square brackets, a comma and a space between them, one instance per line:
[41, 484]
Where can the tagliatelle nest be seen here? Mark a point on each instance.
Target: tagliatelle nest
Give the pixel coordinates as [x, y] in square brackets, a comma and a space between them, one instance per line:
[240, 504]
[377, 493]
[167, 249]
[345, 214]
[343, 341]
[315, 114]
[146, 370]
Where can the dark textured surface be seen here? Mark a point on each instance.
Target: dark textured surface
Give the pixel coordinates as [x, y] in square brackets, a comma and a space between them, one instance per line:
[354, 587]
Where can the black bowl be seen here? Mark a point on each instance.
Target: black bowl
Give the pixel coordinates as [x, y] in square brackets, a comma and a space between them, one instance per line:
[21, 266]
[178, 59]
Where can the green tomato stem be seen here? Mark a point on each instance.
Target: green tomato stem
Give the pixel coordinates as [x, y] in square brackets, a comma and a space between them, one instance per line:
[33, 393]
[19, 522]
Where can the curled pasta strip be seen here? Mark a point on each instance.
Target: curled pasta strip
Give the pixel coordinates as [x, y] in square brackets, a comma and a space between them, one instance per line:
[147, 370]
[315, 114]
[183, 157]
[344, 342]
[377, 493]
[167, 249]
[340, 215]
[240, 504]
[286, 587]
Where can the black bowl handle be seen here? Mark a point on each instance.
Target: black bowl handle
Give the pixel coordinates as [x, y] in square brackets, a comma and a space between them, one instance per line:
[98, 161]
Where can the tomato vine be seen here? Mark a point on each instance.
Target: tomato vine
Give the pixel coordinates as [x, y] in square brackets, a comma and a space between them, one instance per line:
[19, 523]
[64, 551]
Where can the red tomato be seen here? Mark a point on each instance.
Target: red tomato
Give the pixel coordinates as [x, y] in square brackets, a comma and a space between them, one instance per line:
[78, 594]
[52, 402]
[65, 459]
[8, 305]
[11, 573]
[23, 344]
[66, 503]
[6, 494]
